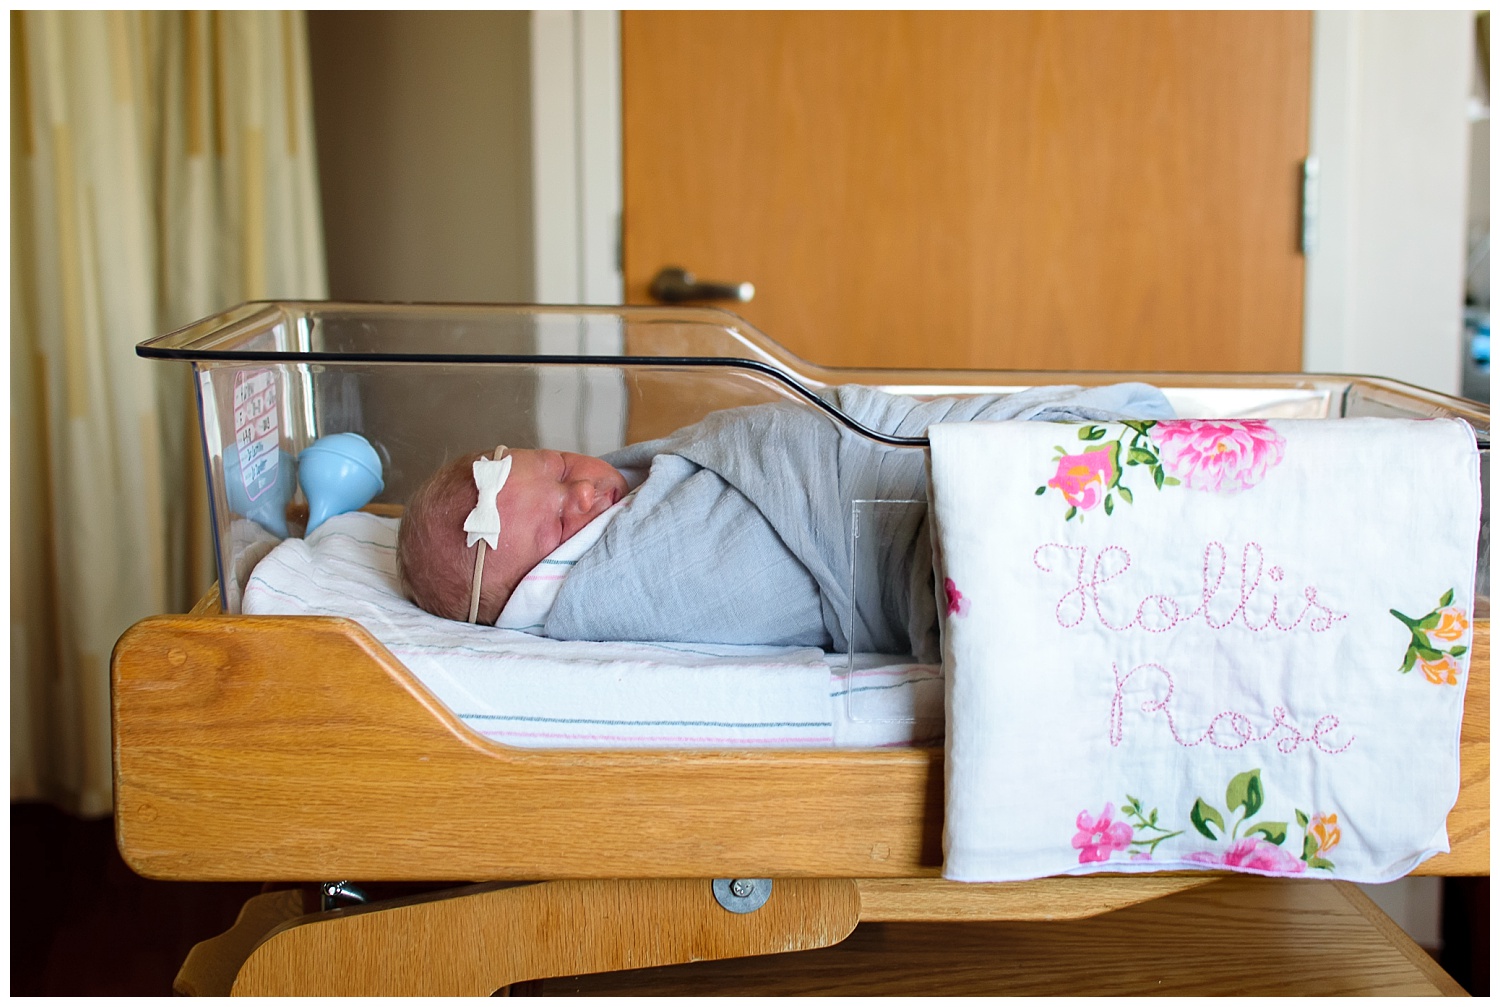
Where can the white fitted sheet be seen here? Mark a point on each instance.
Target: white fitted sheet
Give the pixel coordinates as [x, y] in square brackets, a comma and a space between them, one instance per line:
[528, 691]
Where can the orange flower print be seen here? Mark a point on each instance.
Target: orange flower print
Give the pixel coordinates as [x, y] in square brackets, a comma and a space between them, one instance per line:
[1319, 835]
[1436, 641]
[1325, 829]
[1443, 671]
[1452, 625]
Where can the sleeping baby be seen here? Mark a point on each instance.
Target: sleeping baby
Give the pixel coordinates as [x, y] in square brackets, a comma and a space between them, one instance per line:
[734, 530]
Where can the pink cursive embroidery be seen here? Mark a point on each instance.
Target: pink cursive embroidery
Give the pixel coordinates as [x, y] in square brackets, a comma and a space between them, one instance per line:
[1227, 730]
[1160, 613]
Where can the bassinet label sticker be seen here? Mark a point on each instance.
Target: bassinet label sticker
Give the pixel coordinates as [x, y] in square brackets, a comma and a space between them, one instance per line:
[256, 430]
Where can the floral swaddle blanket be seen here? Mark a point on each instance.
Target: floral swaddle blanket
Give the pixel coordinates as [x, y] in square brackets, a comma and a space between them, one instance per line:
[1219, 644]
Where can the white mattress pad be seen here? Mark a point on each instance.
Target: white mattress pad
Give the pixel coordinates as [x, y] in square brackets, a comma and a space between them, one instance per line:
[527, 691]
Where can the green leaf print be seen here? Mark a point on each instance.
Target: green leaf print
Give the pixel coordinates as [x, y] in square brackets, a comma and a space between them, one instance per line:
[1202, 814]
[1245, 791]
[1274, 832]
[1309, 847]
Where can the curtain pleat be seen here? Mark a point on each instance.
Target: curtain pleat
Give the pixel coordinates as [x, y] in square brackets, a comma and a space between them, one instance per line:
[162, 168]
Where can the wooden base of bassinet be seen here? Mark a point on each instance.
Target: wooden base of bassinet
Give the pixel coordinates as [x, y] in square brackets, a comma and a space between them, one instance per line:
[1324, 937]
[472, 941]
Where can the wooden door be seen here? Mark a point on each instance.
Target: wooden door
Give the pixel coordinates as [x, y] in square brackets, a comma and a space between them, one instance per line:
[1077, 190]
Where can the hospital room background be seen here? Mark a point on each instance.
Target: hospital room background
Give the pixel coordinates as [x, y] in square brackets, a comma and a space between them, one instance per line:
[1330, 171]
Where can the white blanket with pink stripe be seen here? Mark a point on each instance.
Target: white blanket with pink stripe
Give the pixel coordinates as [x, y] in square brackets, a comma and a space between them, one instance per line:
[529, 691]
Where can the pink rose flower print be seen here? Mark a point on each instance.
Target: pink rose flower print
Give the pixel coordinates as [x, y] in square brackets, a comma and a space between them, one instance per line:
[957, 603]
[1219, 456]
[1084, 478]
[1252, 854]
[1098, 838]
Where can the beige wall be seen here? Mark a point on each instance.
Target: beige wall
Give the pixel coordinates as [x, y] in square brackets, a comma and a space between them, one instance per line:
[1390, 129]
[424, 148]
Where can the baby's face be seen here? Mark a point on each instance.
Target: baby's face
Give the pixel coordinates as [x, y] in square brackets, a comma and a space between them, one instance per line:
[548, 497]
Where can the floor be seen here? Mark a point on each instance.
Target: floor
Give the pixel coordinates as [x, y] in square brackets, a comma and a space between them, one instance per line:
[83, 924]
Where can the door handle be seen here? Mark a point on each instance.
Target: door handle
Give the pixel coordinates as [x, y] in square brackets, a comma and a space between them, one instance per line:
[675, 285]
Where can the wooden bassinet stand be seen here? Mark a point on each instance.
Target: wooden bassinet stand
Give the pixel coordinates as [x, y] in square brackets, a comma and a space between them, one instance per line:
[296, 748]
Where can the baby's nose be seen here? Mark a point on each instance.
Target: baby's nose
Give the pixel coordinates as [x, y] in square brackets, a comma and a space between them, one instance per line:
[581, 494]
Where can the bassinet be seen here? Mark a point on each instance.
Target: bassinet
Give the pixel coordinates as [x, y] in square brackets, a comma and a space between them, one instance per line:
[239, 754]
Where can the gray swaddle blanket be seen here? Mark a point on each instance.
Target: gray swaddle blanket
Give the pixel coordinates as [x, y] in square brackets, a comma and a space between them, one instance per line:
[741, 532]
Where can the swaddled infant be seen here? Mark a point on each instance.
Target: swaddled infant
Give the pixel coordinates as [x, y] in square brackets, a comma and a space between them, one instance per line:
[739, 531]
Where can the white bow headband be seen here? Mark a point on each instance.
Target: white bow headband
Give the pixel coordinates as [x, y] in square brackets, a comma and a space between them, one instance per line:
[483, 522]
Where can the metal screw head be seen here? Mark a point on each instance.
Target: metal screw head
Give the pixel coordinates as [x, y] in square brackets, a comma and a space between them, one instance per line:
[340, 893]
[742, 895]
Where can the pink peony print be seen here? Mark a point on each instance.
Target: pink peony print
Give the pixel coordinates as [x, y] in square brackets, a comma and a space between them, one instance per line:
[957, 603]
[1252, 854]
[1084, 478]
[1220, 456]
[1098, 838]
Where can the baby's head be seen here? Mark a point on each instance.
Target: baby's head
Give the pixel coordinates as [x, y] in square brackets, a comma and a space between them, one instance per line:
[546, 499]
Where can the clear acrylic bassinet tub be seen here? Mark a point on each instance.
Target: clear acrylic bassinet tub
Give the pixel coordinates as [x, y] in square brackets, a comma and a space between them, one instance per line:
[427, 382]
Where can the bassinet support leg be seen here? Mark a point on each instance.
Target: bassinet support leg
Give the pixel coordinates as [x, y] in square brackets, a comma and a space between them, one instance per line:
[473, 941]
[211, 965]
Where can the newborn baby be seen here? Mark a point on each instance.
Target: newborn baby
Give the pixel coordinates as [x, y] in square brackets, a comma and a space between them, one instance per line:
[739, 532]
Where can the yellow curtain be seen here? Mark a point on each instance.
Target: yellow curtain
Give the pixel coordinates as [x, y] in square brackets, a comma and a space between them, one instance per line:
[162, 167]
